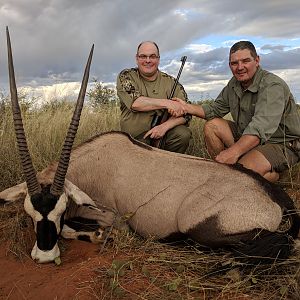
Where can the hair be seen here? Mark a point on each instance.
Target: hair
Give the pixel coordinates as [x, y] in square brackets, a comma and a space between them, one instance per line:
[139, 46]
[241, 45]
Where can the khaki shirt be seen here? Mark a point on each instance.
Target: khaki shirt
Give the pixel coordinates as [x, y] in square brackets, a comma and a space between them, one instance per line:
[266, 109]
[130, 86]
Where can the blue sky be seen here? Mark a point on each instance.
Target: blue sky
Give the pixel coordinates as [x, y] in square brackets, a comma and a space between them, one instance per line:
[51, 40]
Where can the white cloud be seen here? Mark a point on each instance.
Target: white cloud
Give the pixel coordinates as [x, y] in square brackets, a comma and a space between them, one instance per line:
[55, 92]
[199, 48]
[51, 39]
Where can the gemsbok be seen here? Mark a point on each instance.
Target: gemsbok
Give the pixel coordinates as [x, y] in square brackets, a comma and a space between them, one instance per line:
[166, 194]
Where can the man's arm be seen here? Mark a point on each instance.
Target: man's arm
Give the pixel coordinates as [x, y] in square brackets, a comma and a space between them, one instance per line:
[192, 109]
[269, 110]
[195, 110]
[159, 131]
[143, 103]
[234, 152]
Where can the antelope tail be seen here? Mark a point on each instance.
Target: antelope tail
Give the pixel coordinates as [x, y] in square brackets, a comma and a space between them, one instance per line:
[267, 247]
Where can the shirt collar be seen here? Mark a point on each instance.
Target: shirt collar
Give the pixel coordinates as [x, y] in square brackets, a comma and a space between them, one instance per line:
[256, 80]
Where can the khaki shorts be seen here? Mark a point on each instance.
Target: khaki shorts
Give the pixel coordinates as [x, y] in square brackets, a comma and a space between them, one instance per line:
[280, 156]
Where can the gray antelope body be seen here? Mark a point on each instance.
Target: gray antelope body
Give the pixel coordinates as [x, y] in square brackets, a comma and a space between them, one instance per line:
[165, 194]
[169, 193]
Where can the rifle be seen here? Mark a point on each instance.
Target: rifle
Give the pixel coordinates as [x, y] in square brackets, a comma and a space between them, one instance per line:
[157, 120]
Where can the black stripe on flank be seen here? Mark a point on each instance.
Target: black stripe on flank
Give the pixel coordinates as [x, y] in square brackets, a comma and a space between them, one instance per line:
[175, 237]
[264, 248]
[3, 202]
[84, 237]
[209, 233]
[82, 224]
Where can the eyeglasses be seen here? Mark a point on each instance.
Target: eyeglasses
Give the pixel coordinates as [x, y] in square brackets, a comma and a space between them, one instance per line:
[151, 57]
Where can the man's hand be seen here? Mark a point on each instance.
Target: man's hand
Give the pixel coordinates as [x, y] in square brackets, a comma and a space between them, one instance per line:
[176, 107]
[176, 102]
[234, 152]
[157, 132]
[227, 156]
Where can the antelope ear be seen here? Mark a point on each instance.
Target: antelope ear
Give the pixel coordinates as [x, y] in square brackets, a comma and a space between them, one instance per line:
[83, 206]
[15, 193]
[77, 195]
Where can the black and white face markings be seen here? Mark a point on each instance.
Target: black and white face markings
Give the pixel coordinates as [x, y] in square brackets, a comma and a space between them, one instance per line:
[47, 212]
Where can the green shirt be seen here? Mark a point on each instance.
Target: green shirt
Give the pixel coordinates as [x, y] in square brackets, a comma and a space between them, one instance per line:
[130, 86]
[266, 109]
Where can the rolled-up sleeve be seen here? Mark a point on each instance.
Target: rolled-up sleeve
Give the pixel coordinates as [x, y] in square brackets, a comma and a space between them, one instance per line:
[218, 108]
[268, 112]
[127, 90]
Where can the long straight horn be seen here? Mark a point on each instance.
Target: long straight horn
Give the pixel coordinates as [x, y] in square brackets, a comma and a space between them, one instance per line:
[28, 169]
[59, 178]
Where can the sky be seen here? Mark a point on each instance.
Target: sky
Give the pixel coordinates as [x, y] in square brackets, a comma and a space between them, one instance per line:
[51, 40]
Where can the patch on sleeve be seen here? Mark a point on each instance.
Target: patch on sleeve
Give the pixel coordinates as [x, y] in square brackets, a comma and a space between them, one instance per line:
[127, 84]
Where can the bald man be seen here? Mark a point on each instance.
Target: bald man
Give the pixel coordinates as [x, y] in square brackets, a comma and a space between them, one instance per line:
[144, 92]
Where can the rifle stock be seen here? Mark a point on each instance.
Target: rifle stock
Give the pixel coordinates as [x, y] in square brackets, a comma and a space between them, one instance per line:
[157, 120]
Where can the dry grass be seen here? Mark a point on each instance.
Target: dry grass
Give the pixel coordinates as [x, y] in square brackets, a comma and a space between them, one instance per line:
[197, 144]
[141, 269]
[144, 269]
[45, 130]
[16, 229]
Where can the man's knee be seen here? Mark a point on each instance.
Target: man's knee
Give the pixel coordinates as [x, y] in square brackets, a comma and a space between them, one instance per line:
[218, 135]
[214, 127]
[184, 134]
[178, 139]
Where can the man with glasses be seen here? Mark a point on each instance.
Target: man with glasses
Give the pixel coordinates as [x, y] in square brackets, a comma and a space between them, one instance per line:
[143, 92]
[265, 131]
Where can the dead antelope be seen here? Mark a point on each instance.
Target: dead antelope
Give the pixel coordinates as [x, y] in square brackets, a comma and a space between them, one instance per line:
[165, 194]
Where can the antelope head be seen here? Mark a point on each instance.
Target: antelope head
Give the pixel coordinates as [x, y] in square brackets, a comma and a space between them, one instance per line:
[45, 204]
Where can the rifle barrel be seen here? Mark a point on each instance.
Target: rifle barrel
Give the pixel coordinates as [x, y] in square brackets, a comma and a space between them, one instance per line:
[158, 143]
[183, 60]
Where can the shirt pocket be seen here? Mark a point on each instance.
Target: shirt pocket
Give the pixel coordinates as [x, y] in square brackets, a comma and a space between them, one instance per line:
[248, 104]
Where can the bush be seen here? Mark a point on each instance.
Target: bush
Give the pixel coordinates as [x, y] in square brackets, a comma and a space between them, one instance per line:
[100, 95]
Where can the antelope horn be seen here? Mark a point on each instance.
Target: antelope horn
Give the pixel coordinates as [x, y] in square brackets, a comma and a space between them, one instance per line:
[59, 178]
[28, 169]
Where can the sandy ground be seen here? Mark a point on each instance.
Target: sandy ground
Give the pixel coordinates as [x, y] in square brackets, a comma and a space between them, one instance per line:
[73, 279]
